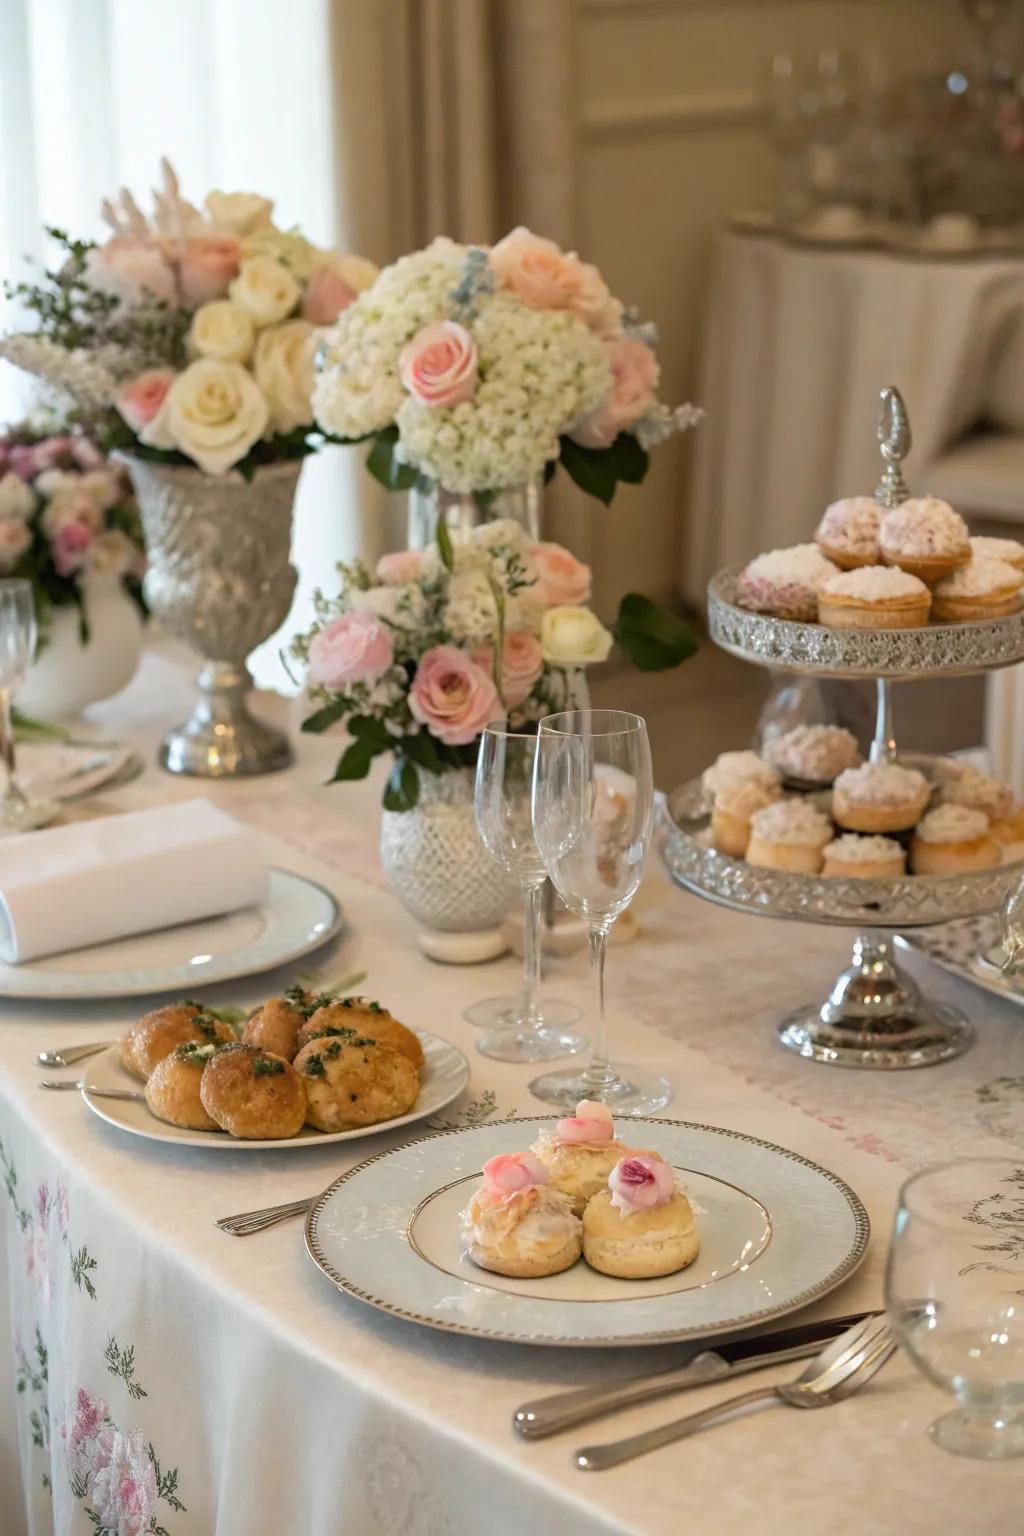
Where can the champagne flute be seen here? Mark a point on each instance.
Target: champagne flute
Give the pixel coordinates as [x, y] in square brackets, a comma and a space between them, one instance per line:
[593, 815]
[17, 647]
[520, 1028]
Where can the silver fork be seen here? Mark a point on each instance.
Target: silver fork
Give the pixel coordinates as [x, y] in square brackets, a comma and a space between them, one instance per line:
[248, 1222]
[66, 1084]
[840, 1369]
[69, 1054]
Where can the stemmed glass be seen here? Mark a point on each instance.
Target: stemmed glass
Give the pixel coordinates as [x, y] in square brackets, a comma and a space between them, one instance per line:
[954, 1288]
[593, 815]
[17, 647]
[520, 1028]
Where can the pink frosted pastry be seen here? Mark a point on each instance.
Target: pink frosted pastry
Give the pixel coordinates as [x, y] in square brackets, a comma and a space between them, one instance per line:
[516, 1223]
[925, 537]
[785, 582]
[580, 1152]
[642, 1224]
[814, 754]
[848, 533]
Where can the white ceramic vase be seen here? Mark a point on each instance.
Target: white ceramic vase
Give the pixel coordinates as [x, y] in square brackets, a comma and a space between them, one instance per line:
[68, 675]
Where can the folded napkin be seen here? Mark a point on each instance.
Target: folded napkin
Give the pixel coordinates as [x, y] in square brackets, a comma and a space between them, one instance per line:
[95, 881]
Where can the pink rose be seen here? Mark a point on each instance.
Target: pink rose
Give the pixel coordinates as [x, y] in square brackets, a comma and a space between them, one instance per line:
[326, 295]
[511, 1172]
[21, 461]
[545, 277]
[638, 1183]
[562, 580]
[206, 266]
[591, 1122]
[71, 546]
[131, 269]
[452, 696]
[438, 367]
[522, 663]
[140, 399]
[635, 374]
[353, 648]
[399, 567]
[50, 452]
[14, 540]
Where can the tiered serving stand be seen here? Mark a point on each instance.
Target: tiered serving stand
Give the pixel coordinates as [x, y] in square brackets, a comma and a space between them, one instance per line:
[874, 1015]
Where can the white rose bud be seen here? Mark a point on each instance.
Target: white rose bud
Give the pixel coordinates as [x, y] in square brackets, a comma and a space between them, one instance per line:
[239, 213]
[222, 330]
[283, 366]
[266, 289]
[213, 412]
[573, 637]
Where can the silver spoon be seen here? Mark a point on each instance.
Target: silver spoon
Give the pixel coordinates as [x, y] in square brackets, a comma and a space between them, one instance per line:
[66, 1084]
[67, 1055]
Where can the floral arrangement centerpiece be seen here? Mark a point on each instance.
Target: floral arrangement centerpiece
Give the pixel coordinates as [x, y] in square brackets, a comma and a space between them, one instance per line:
[476, 369]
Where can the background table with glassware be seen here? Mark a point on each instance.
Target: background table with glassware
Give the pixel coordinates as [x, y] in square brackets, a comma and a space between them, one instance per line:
[125, 1303]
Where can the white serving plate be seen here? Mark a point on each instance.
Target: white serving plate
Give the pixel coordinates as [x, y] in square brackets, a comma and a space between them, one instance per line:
[445, 1074]
[297, 916]
[778, 1232]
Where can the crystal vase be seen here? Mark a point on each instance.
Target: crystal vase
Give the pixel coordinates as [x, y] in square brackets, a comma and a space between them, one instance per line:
[463, 511]
[219, 579]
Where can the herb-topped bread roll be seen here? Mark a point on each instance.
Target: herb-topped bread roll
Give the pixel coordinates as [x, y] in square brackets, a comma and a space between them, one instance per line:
[252, 1094]
[172, 1091]
[368, 1018]
[157, 1033]
[516, 1223]
[642, 1225]
[275, 1027]
[353, 1080]
[580, 1152]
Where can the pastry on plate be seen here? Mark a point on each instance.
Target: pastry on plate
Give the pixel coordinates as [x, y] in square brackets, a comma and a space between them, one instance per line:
[580, 1152]
[172, 1088]
[517, 1223]
[730, 815]
[879, 797]
[981, 589]
[856, 857]
[1008, 830]
[952, 840]
[732, 768]
[998, 549]
[874, 597]
[275, 1027]
[789, 835]
[848, 533]
[353, 1081]
[158, 1032]
[813, 754]
[366, 1017]
[925, 537]
[642, 1225]
[252, 1094]
[963, 784]
[785, 582]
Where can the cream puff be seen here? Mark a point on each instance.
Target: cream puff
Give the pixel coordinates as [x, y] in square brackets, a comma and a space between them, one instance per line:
[730, 815]
[730, 769]
[813, 754]
[852, 857]
[580, 1152]
[879, 797]
[516, 1223]
[790, 835]
[848, 533]
[925, 537]
[785, 582]
[172, 1089]
[998, 549]
[963, 784]
[252, 1094]
[981, 589]
[642, 1225]
[353, 1081]
[952, 840]
[874, 597]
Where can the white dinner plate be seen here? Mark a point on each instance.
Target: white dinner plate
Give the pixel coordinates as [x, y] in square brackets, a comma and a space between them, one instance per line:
[776, 1233]
[297, 916]
[70, 770]
[445, 1074]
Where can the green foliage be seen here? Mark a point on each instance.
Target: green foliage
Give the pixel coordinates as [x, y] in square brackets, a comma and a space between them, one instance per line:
[384, 466]
[403, 787]
[599, 470]
[444, 542]
[651, 636]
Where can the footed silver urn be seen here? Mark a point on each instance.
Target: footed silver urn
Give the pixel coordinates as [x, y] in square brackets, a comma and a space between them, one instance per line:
[219, 579]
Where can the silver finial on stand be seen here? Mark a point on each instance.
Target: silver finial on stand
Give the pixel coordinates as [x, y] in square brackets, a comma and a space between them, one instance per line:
[894, 441]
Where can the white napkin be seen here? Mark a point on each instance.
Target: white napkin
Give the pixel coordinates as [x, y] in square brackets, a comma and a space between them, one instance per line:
[95, 881]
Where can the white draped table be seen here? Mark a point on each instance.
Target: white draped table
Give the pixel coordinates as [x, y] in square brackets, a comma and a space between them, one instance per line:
[211, 1386]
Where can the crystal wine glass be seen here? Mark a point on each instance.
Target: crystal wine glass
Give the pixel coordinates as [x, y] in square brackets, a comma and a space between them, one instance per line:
[17, 647]
[593, 815]
[520, 1028]
[954, 1288]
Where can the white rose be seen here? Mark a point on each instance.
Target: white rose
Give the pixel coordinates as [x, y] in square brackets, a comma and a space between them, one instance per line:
[239, 213]
[14, 540]
[17, 500]
[266, 289]
[573, 637]
[283, 366]
[222, 330]
[213, 413]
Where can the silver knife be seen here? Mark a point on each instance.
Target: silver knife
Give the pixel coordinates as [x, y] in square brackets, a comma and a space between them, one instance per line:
[562, 1410]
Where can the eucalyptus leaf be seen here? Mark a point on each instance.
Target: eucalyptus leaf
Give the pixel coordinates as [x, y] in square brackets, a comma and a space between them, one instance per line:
[651, 636]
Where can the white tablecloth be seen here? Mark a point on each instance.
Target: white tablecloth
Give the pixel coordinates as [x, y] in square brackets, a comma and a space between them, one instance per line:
[224, 1388]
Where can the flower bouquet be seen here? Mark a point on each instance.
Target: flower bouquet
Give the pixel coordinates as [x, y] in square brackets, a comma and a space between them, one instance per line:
[476, 369]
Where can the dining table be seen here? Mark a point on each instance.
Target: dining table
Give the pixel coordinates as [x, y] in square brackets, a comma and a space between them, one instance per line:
[229, 1389]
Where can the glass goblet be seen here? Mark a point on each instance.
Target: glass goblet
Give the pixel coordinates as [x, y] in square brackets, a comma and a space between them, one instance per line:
[520, 1028]
[17, 647]
[954, 1289]
[593, 815]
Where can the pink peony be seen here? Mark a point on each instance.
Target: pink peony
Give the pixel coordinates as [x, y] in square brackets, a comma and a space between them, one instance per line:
[353, 648]
[452, 696]
[439, 367]
[639, 1182]
[206, 266]
[511, 1172]
[545, 277]
[140, 399]
[70, 547]
[591, 1122]
[132, 270]
[326, 295]
[399, 567]
[561, 578]
[522, 663]
[635, 375]
[15, 538]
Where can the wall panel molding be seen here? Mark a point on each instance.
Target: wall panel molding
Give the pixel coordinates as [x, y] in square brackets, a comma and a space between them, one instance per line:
[682, 113]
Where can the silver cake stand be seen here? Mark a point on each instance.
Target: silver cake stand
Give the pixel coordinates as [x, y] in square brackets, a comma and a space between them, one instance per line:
[875, 1015]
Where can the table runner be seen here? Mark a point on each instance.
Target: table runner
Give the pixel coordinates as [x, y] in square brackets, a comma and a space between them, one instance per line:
[162, 1377]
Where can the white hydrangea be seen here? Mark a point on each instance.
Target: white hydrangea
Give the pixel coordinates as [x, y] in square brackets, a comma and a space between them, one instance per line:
[17, 500]
[503, 532]
[471, 614]
[402, 606]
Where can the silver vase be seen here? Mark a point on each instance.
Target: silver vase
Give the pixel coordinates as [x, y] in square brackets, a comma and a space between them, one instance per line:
[462, 511]
[219, 579]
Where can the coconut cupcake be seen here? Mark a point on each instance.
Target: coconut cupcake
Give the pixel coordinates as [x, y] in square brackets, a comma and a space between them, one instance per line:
[879, 797]
[516, 1224]
[642, 1225]
[813, 754]
[848, 533]
[874, 597]
[852, 857]
[966, 785]
[953, 839]
[733, 768]
[998, 549]
[789, 835]
[730, 816]
[580, 1152]
[924, 536]
[981, 589]
[785, 582]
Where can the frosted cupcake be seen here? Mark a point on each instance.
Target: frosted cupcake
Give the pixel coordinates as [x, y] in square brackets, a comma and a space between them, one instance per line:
[516, 1224]
[642, 1225]
[813, 754]
[730, 769]
[874, 597]
[789, 835]
[879, 797]
[785, 582]
[967, 785]
[998, 549]
[981, 589]
[925, 537]
[951, 840]
[848, 533]
[730, 816]
[852, 857]
[580, 1152]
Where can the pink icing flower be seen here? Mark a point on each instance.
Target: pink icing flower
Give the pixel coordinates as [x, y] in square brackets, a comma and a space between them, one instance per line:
[561, 578]
[140, 399]
[635, 374]
[326, 295]
[439, 367]
[638, 1183]
[522, 663]
[546, 277]
[90, 1415]
[511, 1172]
[591, 1122]
[452, 696]
[402, 565]
[353, 648]
[206, 266]
[70, 547]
